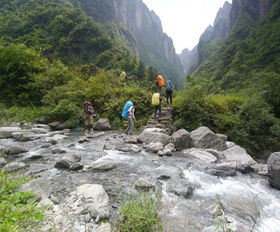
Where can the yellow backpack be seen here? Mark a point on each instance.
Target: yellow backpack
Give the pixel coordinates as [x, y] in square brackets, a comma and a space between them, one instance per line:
[155, 99]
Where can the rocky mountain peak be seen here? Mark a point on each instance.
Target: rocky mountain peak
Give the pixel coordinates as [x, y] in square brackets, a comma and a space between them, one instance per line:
[254, 8]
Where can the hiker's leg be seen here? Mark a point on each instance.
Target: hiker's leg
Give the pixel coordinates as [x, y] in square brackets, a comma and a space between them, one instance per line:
[167, 97]
[159, 109]
[131, 126]
[86, 125]
[90, 125]
[171, 98]
[155, 112]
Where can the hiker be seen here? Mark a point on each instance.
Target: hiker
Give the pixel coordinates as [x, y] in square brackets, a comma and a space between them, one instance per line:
[160, 82]
[88, 116]
[156, 102]
[169, 91]
[128, 114]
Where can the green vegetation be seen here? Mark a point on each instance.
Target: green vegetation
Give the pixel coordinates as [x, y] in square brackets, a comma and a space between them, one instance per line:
[236, 90]
[53, 58]
[247, 120]
[140, 215]
[18, 210]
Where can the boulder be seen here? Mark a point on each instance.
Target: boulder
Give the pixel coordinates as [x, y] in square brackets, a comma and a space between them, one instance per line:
[154, 147]
[103, 165]
[102, 124]
[181, 139]
[40, 187]
[202, 155]
[55, 139]
[151, 136]
[3, 149]
[66, 161]
[144, 184]
[261, 169]
[244, 161]
[128, 148]
[181, 188]
[39, 131]
[76, 167]
[6, 132]
[3, 162]
[203, 137]
[15, 150]
[168, 149]
[165, 172]
[230, 144]
[273, 164]
[132, 139]
[14, 166]
[24, 136]
[58, 150]
[104, 227]
[95, 198]
[222, 169]
[43, 126]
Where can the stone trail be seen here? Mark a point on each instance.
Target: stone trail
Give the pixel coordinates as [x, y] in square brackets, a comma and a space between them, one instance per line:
[163, 122]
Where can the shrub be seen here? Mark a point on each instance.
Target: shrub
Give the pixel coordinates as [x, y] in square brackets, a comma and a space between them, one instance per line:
[140, 215]
[18, 210]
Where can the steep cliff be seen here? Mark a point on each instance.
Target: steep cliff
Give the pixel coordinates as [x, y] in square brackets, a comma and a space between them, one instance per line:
[155, 47]
[189, 58]
[253, 8]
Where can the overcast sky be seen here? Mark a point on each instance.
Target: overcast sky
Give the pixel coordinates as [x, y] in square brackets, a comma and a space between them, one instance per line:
[185, 20]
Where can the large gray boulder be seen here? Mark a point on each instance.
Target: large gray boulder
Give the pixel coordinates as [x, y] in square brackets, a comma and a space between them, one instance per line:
[6, 132]
[14, 166]
[153, 136]
[40, 130]
[203, 137]
[168, 149]
[24, 136]
[43, 126]
[66, 161]
[102, 124]
[243, 160]
[273, 163]
[222, 169]
[15, 150]
[128, 148]
[202, 155]
[181, 139]
[96, 200]
[40, 187]
[154, 147]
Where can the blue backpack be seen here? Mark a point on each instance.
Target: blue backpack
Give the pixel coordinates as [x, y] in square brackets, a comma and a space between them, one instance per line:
[169, 86]
[128, 104]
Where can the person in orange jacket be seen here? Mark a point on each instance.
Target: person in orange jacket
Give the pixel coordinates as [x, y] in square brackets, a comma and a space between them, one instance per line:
[160, 82]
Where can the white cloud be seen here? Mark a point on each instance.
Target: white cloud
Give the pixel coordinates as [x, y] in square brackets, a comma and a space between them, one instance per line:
[185, 20]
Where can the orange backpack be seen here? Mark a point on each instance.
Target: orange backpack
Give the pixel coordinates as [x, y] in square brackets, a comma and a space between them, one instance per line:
[160, 81]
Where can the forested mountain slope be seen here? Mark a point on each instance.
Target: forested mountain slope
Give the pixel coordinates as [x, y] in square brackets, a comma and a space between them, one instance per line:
[236, 89]
[142, 29]
[53, 57]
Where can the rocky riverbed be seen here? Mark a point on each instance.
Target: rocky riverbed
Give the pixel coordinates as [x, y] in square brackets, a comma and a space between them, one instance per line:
[85, 179]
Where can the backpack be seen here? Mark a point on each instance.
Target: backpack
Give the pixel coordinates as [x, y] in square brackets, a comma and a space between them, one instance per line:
[88, 108]
[160, 81]
[126, 107]
[169, 87]
[155, 99]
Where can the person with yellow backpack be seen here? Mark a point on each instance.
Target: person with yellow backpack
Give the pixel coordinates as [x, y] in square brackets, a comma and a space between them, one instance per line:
[156, 102]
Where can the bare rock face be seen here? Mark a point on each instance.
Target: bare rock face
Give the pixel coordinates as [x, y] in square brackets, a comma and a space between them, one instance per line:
[254, 8]
[204, 138]
[273, 163]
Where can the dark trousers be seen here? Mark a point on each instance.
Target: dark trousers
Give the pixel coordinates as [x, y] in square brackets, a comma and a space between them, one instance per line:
[169, 97]
[157, 111]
